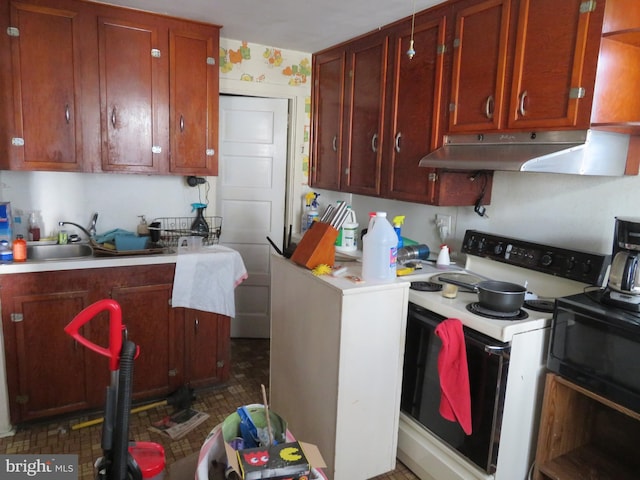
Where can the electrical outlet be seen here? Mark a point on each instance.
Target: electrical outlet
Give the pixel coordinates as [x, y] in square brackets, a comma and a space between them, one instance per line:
[444, 226]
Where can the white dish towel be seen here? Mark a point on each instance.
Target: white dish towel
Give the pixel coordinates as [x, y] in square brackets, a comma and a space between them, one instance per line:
[205, 279]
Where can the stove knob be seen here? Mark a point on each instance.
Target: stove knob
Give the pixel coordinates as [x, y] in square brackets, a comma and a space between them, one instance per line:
[571, 263]
[498, 249]
[546, 260]
[586, 267]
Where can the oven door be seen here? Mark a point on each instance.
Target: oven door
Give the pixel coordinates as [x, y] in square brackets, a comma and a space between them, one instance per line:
[597, 347]
[488, 362]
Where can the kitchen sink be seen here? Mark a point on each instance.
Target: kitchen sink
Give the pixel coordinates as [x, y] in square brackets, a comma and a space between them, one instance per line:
[59, 252]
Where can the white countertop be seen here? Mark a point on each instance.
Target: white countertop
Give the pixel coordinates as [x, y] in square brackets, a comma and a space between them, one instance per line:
[31, 266]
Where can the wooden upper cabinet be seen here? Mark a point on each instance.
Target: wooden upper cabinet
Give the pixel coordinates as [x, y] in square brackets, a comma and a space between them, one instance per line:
[132, 83]
[193, 104]
[555, 63]
[328, 94]
[364, 115]
[478, 79]
[47, 97]
[416, 98]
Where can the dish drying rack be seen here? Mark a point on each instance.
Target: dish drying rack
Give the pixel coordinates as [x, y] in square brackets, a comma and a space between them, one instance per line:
[172, 228]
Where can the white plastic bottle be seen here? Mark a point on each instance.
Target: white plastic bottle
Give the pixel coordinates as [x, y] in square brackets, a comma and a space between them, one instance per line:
[379, 250]
[443, 257]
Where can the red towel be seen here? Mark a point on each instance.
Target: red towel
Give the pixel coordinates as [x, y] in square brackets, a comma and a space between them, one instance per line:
[455, 402]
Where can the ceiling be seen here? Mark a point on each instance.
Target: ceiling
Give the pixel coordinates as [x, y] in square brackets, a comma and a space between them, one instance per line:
[302, 25]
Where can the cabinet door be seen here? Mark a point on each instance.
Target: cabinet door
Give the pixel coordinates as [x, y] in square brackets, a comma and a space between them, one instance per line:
[479, 66]
[46, 89]
[417, 108]
[555, 61]
[207, 354]
[52, 373]
[133, 85]
[147, 313]
[194, 101]
[328, 95]
[364, 115]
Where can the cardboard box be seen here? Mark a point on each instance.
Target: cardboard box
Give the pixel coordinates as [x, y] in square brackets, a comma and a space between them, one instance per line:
[288, 459]
[284, 460]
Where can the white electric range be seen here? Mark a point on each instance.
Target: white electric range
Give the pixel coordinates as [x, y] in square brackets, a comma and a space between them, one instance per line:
[507, 356]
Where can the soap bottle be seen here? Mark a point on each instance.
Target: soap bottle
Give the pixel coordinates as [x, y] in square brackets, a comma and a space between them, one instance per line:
[19, 249]
[143, 228]
[199, 226]
[34, 226]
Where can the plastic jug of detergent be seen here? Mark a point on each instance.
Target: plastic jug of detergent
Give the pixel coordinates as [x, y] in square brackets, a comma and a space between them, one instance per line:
[379, 249]
[347, 240]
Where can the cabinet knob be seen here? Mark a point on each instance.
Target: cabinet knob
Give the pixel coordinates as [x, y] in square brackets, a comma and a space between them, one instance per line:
[181, 123]
[374, 143]
[67, 113]
[113, 117]
[335, 143]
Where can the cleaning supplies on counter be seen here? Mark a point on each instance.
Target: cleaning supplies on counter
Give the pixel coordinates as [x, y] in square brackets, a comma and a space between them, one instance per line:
[413, 252]
[347, 240]
[443, 260]
[35, 224]
[199, 225]
[310, 212]
[380, 249]
[398, 220]
[6, 253]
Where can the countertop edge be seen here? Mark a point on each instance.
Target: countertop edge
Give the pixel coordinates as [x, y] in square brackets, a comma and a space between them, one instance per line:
[88, 263]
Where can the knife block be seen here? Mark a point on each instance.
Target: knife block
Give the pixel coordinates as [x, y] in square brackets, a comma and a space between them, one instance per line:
[316, 246]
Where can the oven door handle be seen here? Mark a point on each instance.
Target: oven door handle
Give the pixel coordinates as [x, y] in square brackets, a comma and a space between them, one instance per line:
[502, 350]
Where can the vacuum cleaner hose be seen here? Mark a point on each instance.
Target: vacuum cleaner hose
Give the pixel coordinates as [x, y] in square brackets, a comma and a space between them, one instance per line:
[121, 430]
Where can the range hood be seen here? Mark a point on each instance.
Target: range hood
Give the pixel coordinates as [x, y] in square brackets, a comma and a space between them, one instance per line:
[579, 152]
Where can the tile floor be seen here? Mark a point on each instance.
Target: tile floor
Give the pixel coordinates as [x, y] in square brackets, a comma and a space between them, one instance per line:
[250, 369]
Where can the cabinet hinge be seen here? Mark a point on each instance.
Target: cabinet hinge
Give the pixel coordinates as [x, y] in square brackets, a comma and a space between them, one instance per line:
[210, 152]
[13, 31]
[17, 317]
[169, 302]
[577, 92]
[588, 6]
[155, 53]
[17, 142]
[173, 372]
[433, 177]
[211, 61]
[156, 149]
[22, 399]
[441, 49]
[452, 107]
[456, 43]
[220, 363]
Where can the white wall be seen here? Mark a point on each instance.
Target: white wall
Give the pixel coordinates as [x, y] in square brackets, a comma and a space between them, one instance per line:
[569, 211]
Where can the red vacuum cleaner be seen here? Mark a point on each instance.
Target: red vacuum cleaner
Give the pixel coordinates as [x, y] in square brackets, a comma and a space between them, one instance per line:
[122, 459]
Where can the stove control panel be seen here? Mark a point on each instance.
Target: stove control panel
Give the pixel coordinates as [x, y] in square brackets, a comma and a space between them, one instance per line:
[585, 267]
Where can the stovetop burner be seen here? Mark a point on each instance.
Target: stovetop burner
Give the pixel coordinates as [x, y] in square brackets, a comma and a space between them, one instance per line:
[539, 305]
[478, 309]
[426, 286]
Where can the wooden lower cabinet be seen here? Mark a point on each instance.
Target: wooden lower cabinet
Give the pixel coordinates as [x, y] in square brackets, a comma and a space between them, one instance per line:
[49, 374]
[585, 436]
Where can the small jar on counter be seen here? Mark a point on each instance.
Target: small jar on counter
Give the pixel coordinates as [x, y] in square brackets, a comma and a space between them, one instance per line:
[19, 249]
[6, 253]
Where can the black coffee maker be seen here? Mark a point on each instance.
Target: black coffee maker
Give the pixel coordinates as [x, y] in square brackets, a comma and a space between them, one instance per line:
[623, 288]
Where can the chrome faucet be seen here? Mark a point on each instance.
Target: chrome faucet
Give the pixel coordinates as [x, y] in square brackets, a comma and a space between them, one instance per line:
[91, 233]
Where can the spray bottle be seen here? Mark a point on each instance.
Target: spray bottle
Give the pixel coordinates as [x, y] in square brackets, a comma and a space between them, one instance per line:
[310, 213]
[199, 225]
[398, 220]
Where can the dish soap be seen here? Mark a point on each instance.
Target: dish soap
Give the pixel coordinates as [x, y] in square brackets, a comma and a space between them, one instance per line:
[143, 228]
[199, 226]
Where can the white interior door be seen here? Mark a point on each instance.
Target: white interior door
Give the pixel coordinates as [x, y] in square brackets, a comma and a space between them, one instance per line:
[251, 198]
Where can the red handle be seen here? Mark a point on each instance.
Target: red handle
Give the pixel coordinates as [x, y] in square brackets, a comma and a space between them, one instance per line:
[115, 330]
